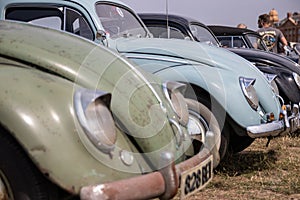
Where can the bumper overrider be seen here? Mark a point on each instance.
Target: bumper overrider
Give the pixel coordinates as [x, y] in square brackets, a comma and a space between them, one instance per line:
[289, 123]
[163, 184]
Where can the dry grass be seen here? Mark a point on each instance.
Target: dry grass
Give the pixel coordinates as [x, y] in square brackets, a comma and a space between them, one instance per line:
[259, 172]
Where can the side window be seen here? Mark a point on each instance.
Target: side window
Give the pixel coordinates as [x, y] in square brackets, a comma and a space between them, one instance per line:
[51, 17]
[76, 23]
[50, 22]
[225, 41]
[47, 17]
[202, 34]
[238, 42]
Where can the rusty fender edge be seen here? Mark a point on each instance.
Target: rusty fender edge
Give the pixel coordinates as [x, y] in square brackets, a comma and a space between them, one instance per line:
[161, 184]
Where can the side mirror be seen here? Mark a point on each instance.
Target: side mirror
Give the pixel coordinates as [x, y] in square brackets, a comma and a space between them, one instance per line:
[101, 36]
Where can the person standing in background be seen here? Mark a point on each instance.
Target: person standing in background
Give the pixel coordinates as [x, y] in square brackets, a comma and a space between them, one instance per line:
[273, 37]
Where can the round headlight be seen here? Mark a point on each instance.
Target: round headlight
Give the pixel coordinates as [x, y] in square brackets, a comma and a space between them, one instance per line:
[94, 116]
[249, 91]
[173, 92]
[101, 128]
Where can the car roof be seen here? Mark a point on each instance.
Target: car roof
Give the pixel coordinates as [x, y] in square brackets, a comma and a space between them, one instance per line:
[89, 4]
[228, 30]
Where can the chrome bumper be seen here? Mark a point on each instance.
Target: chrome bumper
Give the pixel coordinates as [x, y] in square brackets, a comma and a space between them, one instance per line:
[161, 184]
[269, 129]
[287, 125]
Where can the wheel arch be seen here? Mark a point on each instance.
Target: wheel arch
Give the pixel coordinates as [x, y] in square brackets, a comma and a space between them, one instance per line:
[225, 121]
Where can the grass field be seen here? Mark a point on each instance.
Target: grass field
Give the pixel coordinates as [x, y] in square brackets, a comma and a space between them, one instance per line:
[258, 172]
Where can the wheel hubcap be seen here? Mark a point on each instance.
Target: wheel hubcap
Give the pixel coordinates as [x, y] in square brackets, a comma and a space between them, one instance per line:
[197, 126]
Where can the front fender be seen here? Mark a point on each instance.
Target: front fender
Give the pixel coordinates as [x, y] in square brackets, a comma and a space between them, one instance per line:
[288, 87]
[37, 109]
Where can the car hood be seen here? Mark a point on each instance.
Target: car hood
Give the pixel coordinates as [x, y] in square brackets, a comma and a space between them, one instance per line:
[191, 52]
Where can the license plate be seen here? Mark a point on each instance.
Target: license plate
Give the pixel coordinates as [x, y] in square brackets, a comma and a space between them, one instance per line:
[196, 178]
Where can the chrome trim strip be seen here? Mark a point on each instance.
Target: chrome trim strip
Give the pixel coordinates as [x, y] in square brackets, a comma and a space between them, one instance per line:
[160, 59]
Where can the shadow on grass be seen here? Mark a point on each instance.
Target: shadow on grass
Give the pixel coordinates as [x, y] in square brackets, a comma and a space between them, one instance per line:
[246, 162]
[295, 134]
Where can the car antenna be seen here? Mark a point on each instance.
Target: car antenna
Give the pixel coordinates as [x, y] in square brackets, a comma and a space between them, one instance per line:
[167, 13]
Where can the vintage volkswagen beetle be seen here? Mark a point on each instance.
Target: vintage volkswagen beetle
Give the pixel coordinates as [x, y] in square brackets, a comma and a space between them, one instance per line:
[213, 75]
[78, 117]
[283, 73]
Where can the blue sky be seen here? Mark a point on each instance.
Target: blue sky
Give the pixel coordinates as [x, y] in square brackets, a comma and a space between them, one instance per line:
[221, 12]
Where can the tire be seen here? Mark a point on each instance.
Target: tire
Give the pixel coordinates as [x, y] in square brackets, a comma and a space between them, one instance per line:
[225, 140]
[206, 121]
[19, 177]
[239, 143]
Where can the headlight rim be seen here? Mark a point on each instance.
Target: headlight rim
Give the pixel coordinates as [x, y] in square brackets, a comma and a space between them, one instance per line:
[247, 86]
[176, 89]
[271, 79]
[83, 99]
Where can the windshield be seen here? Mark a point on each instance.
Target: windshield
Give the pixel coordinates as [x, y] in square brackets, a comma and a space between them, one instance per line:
[202, 34]
[257, 43]
[119, 22]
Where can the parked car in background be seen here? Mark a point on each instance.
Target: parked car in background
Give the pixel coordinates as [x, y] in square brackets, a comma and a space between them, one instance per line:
[245, 38]
[79, 120]
[282, 73]
[212, 75]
